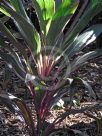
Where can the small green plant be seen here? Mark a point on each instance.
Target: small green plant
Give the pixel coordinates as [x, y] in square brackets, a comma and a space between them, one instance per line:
[44, 60]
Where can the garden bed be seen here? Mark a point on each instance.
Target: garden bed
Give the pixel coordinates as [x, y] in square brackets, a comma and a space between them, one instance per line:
[86, 124]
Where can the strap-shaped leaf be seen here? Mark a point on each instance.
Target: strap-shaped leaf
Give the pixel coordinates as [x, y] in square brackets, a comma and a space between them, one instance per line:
[3, 44]
[53, 13]
[13, 64]
[4, 11]
[21, 73]
[45, 11]
[60, 19]
[41, 20]
[8, 48]
[81, 60]
[9, 35]
[93, 8]
[7, 77]
[18, 5]
[16, 105]
[82, 82]
[27, 30]
[4, 19]
[64, 8]
[47, 7]
[26, 113]
[96, 106]
[87, 37]
[7, 102]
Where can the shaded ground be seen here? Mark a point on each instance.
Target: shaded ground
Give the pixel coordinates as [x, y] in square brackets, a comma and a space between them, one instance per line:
[12, 125]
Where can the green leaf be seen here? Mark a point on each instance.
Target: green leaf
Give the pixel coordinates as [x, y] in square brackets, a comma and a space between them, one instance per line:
[47, 7]
[64, 9]
[45, 12]
[18, 5]
[13, 64]
[4, 19]
[93, 8]
[7, 47]
[84, 39]
[4, 11]
[26, 29]
[88, 56]
[78, 81]
[19, 70]
[4, 98]
[26, 113]
[60, 19]
[39, 13]
[16, 105]
[7, 77]
[9, 35]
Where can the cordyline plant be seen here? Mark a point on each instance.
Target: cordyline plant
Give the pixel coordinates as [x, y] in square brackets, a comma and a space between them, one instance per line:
[42, 61]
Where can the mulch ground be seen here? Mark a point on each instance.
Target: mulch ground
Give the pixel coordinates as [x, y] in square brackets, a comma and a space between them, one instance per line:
[82, 124]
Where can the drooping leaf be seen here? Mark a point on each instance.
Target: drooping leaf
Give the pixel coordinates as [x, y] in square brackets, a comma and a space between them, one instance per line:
[75, 111]
[21, 73]
[84, 39]
[4, 98]
[93, 8]
[16, 105]
[7, 77]
[80, 82]
[4, 11]
[4, 45]
[13, 64]
[4, 19]
[27, 30]
[26, 113]
[88, 56]
[18, 5]
[13, 40]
